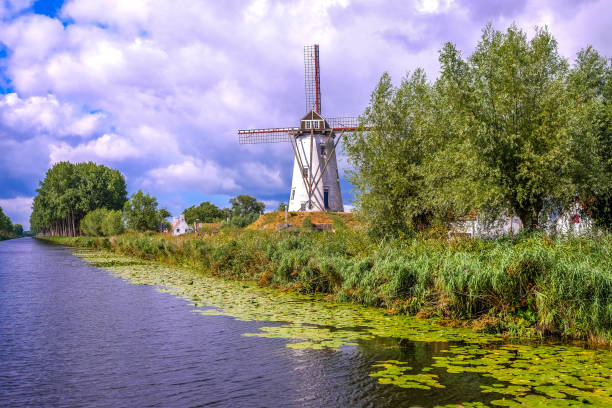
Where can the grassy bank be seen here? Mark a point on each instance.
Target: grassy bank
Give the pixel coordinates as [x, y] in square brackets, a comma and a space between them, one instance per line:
[525, 286]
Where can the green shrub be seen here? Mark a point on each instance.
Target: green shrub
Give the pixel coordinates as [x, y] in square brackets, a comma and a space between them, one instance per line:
[91, 224]
[112, 224]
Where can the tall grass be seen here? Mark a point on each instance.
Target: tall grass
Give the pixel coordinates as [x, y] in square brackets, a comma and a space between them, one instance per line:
[532, 282]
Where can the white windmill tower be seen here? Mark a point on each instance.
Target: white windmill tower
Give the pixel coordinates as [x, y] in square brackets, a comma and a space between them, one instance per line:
[316, 184]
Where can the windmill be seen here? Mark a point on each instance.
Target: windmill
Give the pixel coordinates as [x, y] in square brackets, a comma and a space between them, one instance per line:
[315, 185]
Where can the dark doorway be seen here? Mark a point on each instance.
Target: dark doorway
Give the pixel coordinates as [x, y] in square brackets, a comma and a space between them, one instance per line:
[326, 198]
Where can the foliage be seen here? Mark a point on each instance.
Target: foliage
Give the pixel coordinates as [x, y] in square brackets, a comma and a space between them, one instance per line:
[91, 224]
[245, 210]
[112, 224]
[591, 85]
[512, 129]
[242, 221]
[7, 229]
[18, 230]
[244, 205]
[205, 212]
[69, 191]
[388, 158]
[6, 226]
[282, 207]
[141, 213]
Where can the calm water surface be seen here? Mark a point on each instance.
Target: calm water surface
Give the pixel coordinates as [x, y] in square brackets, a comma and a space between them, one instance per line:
[72, 335]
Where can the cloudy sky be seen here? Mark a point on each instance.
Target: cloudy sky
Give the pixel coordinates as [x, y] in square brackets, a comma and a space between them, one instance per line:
[158, 88]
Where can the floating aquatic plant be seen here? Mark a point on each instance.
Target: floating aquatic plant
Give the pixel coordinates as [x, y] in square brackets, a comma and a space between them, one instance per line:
[532, 376]
[526, 375]
[394, 372]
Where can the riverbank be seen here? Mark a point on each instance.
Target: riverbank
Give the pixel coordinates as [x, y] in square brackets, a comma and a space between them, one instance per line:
[527, 286]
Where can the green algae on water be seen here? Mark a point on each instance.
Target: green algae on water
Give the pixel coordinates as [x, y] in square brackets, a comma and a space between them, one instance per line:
[525, 375]
[310, 319]
[532, 376]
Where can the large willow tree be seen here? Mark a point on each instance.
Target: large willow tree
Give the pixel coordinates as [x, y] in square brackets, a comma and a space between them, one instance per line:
[511, 129]
[69, 191]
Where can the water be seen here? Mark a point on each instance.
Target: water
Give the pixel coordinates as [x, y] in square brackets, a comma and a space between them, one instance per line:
[72, 335]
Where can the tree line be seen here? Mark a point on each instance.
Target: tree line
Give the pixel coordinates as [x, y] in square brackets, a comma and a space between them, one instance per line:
[244, 210]
[91, 199]
[7, 228]
[513, 129]
[70, 191]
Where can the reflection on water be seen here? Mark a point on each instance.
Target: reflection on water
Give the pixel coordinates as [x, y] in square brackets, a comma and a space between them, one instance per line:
[74, 335]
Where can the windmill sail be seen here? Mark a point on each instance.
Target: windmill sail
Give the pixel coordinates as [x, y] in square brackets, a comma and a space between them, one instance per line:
[312, 78]
[272, 135]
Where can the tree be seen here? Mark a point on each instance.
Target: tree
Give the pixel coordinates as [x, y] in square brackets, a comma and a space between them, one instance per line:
[205, 212]
[282, 207]
[6, 226]
[18, 230]
[388, 159]
[69, 191]
[590, 82]
[509, 130]
[141, 213]
[244, 205]
[112, 224]
[516, 114]
[91, 224]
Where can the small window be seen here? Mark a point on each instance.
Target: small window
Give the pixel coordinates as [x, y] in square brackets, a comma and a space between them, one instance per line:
[293, 193]
[307, 124]
[323, 150]
[305, 171]
[315, 124]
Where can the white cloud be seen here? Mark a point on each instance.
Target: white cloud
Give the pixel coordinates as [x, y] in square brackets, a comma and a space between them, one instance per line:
[255, 173]
[192, 174]
[433, 6]
[9, 8]
[271, 205]
[18, 210]
[107, 148]
[125, 14]
[45, 115]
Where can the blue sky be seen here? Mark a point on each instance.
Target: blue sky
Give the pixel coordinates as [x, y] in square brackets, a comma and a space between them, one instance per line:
[157, 89]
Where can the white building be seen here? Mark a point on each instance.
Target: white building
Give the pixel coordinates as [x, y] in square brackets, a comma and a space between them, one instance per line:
[475, 226]
[574, 222]
[315, 168]
[180, 226]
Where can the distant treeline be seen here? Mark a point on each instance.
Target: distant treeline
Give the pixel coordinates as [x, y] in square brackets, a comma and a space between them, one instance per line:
[91, 199]
[512, 129]
[244, 211]
[9, 230]
[70, 191]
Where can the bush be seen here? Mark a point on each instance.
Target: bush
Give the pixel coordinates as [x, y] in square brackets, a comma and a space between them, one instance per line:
[112, 224]
[242, 221]
[91, 224]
